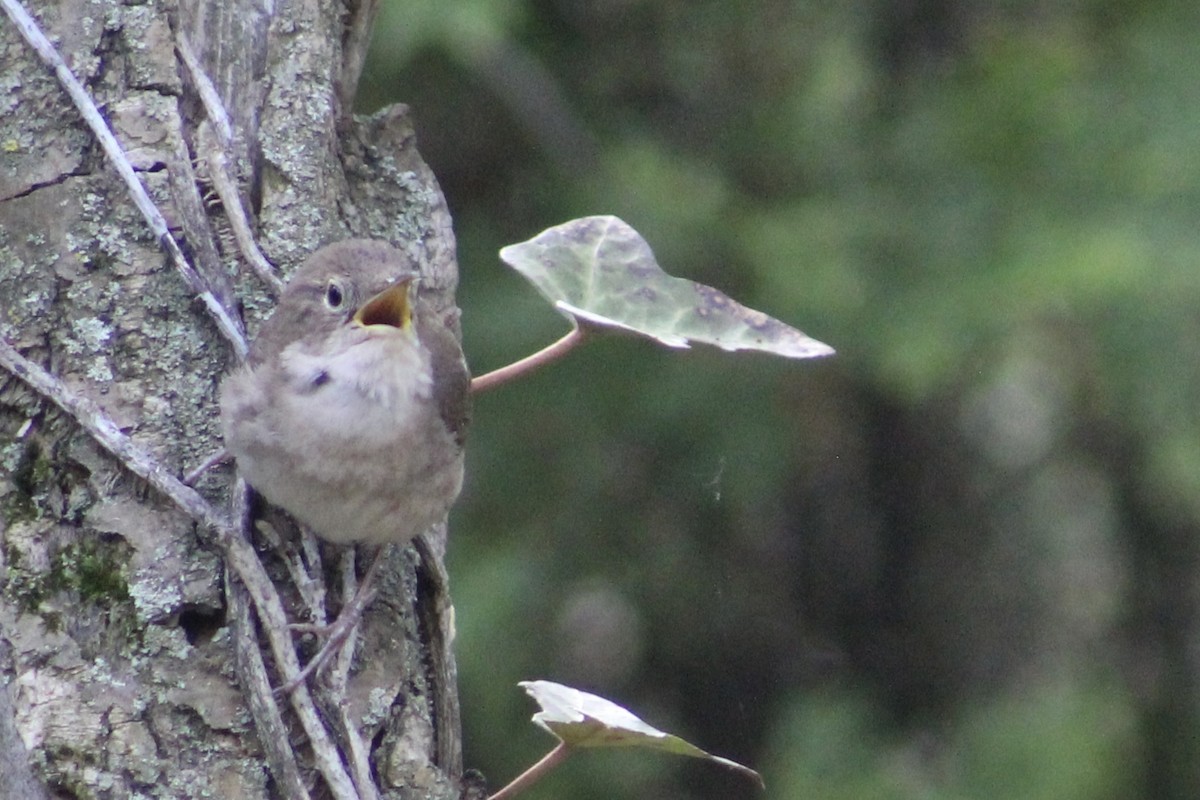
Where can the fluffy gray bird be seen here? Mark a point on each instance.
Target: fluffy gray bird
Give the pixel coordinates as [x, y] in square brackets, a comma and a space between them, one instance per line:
[350, 410]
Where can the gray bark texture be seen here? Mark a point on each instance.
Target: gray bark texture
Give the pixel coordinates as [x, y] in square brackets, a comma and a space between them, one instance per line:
[128, 650]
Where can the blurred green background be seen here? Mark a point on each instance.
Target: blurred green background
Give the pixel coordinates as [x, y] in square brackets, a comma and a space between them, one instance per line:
[958, 560]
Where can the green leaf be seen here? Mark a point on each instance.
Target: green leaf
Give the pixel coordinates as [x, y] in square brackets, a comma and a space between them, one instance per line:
[579, 719]
[599, 271]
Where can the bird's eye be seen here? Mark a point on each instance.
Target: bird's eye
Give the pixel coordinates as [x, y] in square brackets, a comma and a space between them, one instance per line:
[333, 295]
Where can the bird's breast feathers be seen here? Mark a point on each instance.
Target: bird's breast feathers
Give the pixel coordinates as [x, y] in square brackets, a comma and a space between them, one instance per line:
[386, 373]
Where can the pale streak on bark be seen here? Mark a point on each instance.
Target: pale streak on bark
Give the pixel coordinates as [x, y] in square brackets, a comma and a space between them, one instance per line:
[341, 631]
[241, 556]
[339, 671]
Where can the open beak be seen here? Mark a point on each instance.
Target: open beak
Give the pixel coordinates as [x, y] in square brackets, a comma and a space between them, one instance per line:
[390, 307]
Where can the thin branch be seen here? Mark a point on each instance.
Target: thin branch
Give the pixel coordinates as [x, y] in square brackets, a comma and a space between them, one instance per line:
[229, 326]
[338, 709]
[309, 562]
[212, 154]
[535, 773]
[541, 358]
[310, 586]
[209, 96]
[252, 675]
[338, 675]
[535, 98]
[332, 694]
[240, 556]
[93, 419]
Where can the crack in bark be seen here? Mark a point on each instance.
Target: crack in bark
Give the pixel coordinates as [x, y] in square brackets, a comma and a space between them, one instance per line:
[56, 181]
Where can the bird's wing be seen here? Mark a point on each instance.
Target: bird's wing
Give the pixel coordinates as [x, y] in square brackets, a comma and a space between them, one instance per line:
[451, 377]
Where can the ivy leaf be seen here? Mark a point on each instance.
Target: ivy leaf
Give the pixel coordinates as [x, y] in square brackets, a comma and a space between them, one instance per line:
[599, 271]
[579, 719]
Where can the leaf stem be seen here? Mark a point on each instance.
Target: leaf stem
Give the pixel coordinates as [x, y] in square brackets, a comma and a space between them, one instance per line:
[541, 358]
[535, 773]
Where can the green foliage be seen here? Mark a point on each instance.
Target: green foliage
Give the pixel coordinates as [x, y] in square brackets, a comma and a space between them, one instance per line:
[989, 211]
[1055, 742]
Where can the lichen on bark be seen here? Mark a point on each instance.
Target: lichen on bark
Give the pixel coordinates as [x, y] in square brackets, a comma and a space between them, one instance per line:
[117, 661]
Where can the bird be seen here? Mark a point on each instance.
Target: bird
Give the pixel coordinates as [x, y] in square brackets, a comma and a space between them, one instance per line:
[351, 408]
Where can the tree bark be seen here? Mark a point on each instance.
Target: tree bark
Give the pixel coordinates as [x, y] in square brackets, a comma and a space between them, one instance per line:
[126, 648]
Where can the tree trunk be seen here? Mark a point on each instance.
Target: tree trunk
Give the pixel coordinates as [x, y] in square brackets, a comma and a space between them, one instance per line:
[127, 650]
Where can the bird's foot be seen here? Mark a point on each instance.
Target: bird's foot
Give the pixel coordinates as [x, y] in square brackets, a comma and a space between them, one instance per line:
[337, 633]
